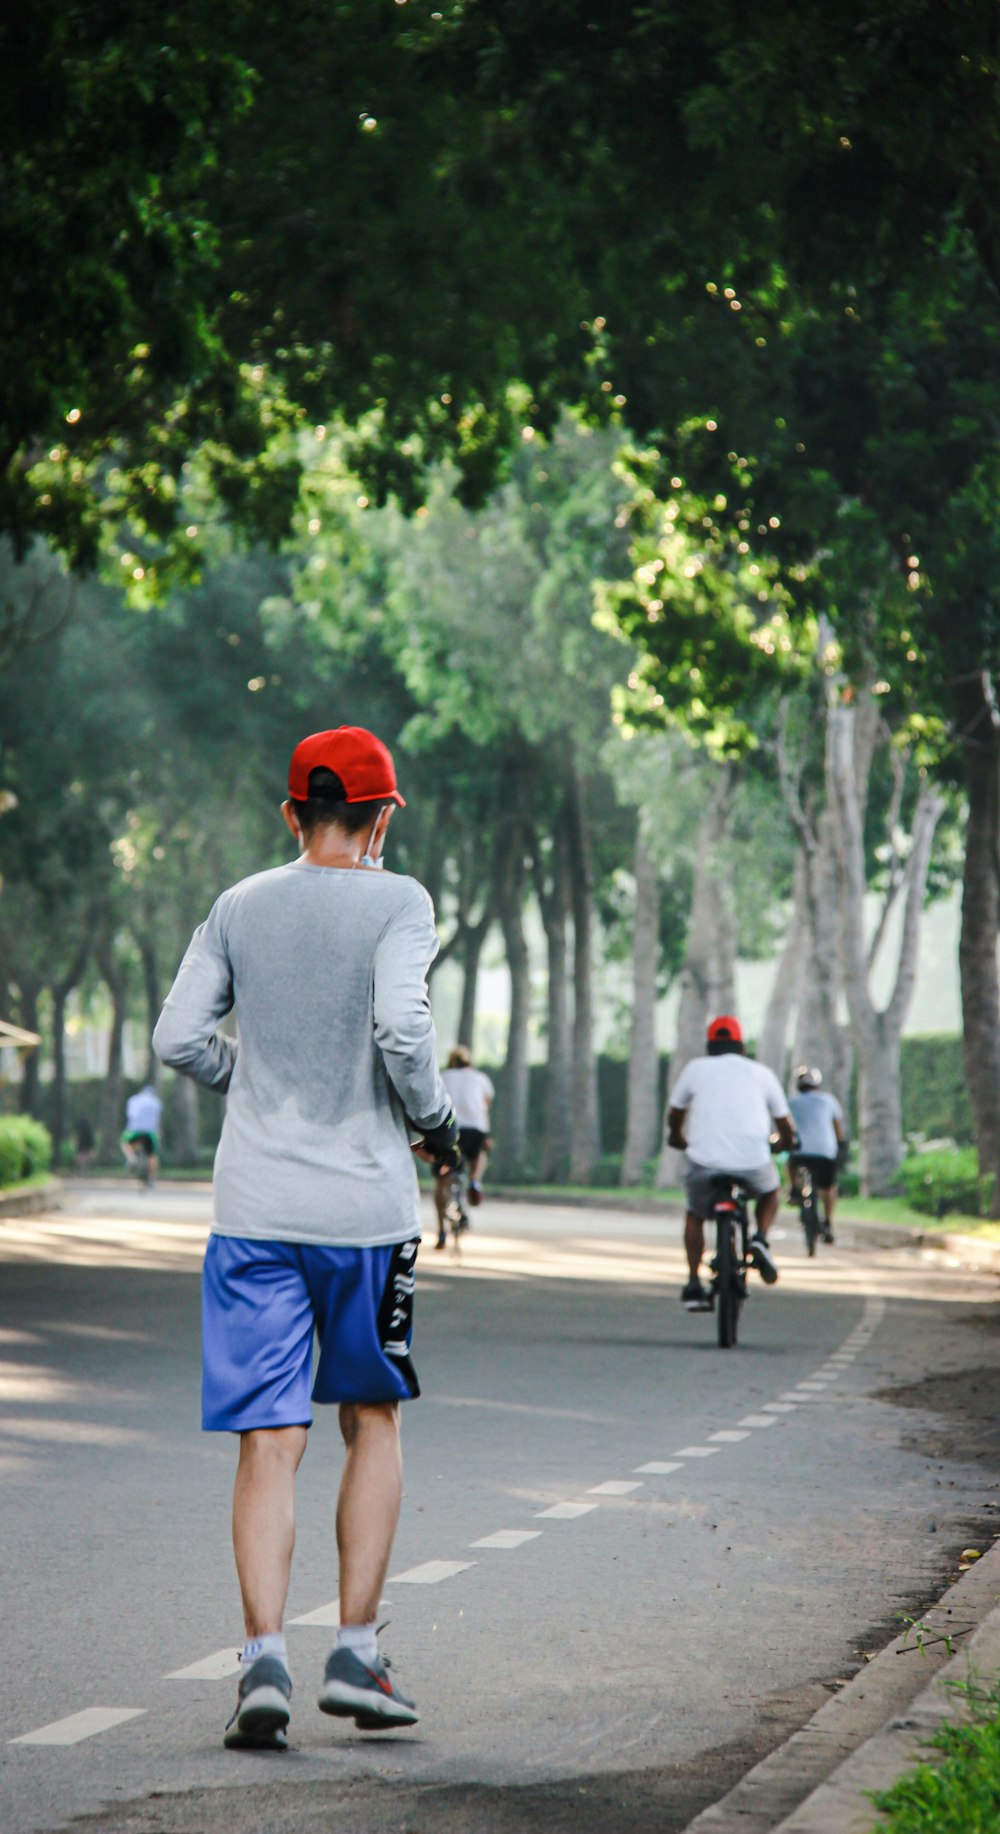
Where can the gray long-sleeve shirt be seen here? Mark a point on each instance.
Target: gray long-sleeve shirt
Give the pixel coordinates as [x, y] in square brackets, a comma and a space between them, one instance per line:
[327, 971]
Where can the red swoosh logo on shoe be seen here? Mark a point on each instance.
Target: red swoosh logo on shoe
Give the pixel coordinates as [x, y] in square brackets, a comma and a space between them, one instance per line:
[386, 1686]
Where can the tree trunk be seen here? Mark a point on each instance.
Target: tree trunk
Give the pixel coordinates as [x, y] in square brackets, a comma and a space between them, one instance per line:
[978, 720]
[876, 1034]
[555, 906]
[512, 1144]
[643, 1096]
[116, 981]
[153, 997]
[700, 976]
[184, 1116]
[472, 948]
[586, 1135]
[28, 1015]
[773, 1047]
[61, 990]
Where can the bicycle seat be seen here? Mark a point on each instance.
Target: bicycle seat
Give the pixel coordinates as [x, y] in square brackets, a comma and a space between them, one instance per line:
[722, 1184]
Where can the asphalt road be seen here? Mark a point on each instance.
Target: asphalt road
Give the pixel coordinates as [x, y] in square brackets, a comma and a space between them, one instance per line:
[628, 1562]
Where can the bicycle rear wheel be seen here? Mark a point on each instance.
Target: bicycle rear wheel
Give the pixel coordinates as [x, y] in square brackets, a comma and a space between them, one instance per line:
[810, 1222]
[728, 1294]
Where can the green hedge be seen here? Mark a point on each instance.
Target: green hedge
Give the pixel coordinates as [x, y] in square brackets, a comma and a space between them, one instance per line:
[25, 1148]
[939, 1183]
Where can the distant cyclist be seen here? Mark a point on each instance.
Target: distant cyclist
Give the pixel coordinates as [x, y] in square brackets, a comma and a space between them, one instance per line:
[472, 1095]
[819, 1123]
[723, 1109]
[143, 1114]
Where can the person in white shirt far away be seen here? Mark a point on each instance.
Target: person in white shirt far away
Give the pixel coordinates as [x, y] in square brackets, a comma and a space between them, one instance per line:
[472, 1095]
[723, 1109]
[143, 1114]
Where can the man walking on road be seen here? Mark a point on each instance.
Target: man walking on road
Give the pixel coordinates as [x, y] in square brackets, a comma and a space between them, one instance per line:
[316, 1222]
[721, 1113]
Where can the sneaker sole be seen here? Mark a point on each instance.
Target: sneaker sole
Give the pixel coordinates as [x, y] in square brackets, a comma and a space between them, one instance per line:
[262, 1721]
[769, 1275]
[342, 1701]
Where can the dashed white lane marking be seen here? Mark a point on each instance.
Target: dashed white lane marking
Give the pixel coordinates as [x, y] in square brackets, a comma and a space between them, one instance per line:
[728, 1436]
[757, 1420]
[810, 1388]
[79, 1726]
[431, 1572]
[778, 1407]
[565, 1512]
[659, 1467]
[323, 1616]
[507, 1537]
[615, 1486]
[697, 1452]
[801, 1395]
[210, 1668]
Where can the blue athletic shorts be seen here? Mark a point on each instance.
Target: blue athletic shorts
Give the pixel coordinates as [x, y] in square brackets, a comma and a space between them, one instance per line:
[262, 1303]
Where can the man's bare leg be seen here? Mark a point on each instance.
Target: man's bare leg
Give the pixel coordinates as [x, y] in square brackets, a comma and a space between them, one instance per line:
[766, 1211]
[264, 1522]
[371, 1491]
[694, 1242]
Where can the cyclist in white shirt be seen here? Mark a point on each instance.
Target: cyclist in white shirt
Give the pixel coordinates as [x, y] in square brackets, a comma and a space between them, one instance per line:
[472, 1095]
[723, 1109]
[819, 1123]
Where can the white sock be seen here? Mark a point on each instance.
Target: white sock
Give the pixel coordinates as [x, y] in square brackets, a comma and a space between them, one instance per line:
[272, 1643]
[360, 1638]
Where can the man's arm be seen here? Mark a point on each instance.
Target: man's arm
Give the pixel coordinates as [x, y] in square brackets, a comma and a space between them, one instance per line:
[186, 1035]
[787, 1136]
[404, 1028]
[675, 1129]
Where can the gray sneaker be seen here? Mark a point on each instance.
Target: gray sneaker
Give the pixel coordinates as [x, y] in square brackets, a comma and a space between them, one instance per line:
[363, 1691]
[262, 1708]
[762, 1258]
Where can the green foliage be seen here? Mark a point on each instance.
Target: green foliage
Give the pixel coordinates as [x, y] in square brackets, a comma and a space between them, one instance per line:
[939, 1183]
[25, 1148]
[959, 1793]
[935, 1098]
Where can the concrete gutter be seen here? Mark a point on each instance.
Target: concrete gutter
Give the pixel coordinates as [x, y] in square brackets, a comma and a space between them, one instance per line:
[29, 1203]
[874, 1728]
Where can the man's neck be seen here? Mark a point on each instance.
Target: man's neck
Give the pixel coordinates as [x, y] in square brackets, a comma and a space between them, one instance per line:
[333, 847]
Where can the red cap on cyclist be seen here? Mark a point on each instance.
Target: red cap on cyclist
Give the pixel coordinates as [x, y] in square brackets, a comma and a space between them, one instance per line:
[361, 761]
[725, 1026]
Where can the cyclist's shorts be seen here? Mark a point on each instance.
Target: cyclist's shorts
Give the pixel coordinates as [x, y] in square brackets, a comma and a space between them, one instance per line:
[264, 1302]
[759, 1181]
[824, 1171]
[136, 1136]
[471, 1141]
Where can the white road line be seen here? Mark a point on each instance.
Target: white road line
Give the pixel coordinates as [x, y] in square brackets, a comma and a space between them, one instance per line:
[507, 1537]
[565, 1512]
[615, 1486]
[659, 1468]
[697, 1452]
[728, 1436]
[210, 1668]
[799, 1395]
[810, 1388]
[79, 1726]
[431, 1572]
[758, 1420]
[327, 1616]
[778, 1407]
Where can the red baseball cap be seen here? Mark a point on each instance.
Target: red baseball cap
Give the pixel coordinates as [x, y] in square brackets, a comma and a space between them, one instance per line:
[361, 761]
[725, 1026]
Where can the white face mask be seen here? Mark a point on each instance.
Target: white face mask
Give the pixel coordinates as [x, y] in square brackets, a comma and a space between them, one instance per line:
[366, 858]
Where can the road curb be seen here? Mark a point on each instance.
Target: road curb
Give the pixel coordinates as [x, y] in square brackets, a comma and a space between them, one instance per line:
[30, 1203]
[970, 1249]
[872, 1729]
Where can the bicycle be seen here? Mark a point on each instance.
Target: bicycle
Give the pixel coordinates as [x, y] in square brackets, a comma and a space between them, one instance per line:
[139, 1161]
[732, 1237]
[456, 1210]
[805, 1201]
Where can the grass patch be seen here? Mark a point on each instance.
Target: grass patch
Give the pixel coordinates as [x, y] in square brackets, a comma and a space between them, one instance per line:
[960, 1794]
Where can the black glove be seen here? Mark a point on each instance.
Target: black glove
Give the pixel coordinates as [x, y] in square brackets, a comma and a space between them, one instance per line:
[442, 1141]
